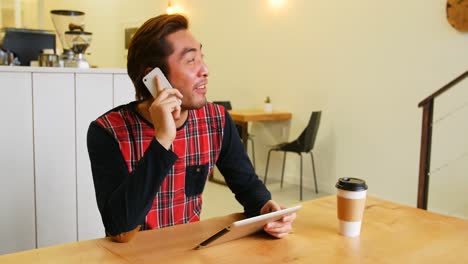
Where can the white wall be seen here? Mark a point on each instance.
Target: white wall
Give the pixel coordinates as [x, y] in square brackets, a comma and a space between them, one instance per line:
[366, 64]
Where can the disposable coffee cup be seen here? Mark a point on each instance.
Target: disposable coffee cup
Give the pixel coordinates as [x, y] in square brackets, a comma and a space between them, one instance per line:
[351, 200]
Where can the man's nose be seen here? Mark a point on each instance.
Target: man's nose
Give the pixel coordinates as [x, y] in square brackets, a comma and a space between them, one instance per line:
[203, 69]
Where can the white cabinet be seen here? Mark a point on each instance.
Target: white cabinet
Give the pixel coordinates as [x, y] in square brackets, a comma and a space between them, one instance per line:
[17, 212]
[93, 98]
[46, 193]
[124, 91]
[95, 95]
[54, 155]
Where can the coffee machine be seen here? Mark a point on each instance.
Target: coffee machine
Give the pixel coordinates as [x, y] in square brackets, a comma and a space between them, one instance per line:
[69, 25]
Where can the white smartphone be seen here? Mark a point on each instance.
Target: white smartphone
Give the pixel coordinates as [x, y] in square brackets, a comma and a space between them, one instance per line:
[149, 81]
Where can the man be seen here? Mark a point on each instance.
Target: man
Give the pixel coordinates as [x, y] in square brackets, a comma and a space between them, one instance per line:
[151, 158]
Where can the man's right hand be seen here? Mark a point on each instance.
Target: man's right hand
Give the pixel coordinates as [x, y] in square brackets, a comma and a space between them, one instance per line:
[164, 110]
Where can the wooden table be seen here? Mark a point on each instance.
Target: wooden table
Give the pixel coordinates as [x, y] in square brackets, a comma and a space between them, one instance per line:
[391, 233]
[243, 117]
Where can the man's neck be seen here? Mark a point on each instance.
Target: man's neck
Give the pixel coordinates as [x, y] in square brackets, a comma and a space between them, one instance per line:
[183, 117]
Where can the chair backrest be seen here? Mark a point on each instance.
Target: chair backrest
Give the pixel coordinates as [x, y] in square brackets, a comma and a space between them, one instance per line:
[226, 104]
[307, 138]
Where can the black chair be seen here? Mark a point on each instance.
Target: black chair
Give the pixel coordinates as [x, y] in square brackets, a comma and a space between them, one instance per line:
[304, 143]
[227, 105]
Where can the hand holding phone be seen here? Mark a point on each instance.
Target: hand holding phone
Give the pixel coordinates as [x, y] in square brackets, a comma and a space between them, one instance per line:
[163, 112]
[150, 82]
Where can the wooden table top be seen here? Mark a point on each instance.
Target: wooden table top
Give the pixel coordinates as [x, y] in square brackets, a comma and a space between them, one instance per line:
[258, 115]
[391, 233]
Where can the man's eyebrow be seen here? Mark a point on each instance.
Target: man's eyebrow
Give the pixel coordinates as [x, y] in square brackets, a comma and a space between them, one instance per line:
[187, 50]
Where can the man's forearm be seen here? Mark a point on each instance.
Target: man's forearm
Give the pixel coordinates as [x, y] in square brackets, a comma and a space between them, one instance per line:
[124, 198]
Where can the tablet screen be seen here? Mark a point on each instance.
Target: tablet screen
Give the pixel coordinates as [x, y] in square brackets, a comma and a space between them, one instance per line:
[245, 227]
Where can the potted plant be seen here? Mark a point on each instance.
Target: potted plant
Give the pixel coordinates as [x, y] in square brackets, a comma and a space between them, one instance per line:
[268, 107]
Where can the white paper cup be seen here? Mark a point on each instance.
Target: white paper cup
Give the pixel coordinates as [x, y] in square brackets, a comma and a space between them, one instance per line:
[351, 201]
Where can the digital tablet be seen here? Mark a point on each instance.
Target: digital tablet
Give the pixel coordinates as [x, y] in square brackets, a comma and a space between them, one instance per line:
[245, 227]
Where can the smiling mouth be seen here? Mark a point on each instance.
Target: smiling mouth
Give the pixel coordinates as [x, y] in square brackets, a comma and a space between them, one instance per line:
[201, 86]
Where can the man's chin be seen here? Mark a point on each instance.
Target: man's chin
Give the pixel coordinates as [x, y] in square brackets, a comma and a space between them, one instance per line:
[194, 105]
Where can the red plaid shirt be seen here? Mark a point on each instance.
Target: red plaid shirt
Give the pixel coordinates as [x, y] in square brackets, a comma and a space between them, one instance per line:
[197, 143]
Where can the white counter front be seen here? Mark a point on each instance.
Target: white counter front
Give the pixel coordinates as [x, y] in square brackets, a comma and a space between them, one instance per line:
[46, 192]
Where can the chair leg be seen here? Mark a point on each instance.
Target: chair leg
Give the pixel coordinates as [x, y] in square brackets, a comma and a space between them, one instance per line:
[266, 169]
[253, 153]
[313, 169]
[282, 170]
[300, 156]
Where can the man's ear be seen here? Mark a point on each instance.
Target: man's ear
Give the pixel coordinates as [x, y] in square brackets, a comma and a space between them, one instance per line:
[148, 69]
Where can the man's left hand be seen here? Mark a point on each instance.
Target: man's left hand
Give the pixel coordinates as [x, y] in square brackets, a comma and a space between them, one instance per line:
[281, 227]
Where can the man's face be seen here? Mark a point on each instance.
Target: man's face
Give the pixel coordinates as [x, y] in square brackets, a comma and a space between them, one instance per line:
[188, 72]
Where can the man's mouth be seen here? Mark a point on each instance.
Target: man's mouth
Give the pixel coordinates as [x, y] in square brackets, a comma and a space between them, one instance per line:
[201, 85]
